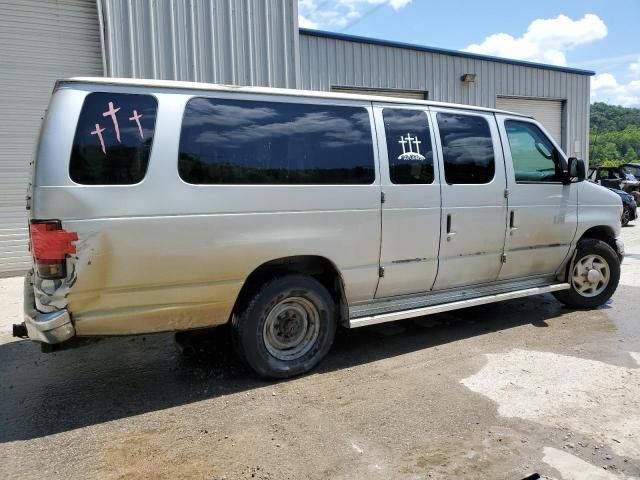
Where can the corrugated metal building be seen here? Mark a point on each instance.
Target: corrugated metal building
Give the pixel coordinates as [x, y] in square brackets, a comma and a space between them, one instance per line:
[244, 42]
[40, 41]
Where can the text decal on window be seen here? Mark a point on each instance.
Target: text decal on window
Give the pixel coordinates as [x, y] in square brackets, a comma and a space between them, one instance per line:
[410, 155]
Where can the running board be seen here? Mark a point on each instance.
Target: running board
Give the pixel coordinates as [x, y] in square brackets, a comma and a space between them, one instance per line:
[445, 307]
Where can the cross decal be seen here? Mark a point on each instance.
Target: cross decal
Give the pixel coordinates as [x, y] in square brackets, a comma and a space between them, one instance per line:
[409, 140]
[136, 118]
[111, 112]
[411, 154]
[98, 131]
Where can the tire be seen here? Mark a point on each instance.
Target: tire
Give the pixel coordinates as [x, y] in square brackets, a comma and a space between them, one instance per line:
[585, 292]
[287, 327]
[625, 218]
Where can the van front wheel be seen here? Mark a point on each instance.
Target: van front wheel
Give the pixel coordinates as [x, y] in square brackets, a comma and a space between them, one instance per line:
[593, 277]
[287, 327]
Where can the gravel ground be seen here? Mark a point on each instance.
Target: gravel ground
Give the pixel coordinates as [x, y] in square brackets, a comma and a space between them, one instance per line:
[500, 391]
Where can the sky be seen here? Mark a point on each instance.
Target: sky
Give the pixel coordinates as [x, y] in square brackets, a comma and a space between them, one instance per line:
[598, 35]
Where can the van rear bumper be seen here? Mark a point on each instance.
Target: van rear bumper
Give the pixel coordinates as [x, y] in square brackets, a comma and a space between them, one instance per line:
[52, 327]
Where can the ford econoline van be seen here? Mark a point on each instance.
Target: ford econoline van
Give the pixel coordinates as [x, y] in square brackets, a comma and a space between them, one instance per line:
[167, 206]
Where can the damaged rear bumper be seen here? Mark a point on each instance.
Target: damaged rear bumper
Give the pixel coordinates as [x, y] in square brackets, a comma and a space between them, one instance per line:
[52, 327]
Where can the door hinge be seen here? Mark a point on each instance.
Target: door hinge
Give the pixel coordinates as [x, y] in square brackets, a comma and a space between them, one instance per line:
[381, 272]
[383, 197]
[506, 193]
[503, 258]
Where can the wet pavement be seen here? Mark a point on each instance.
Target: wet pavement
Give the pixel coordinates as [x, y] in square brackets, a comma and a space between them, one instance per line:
[498, 391]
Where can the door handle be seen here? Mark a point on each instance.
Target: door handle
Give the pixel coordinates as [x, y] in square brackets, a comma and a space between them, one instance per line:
[450, 233]
[512, 222]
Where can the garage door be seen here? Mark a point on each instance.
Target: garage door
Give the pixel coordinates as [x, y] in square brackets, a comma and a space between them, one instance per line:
[40, 41]
[547, 112]
[386, 92]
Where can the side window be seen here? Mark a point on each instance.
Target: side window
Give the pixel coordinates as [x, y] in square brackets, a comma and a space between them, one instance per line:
[535, 159]
[113, 139]
[408, 146]
[256, 142]
[467, 149]
[632, 170]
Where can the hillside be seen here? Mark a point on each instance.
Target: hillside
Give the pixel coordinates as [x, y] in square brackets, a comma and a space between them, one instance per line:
[615, 134]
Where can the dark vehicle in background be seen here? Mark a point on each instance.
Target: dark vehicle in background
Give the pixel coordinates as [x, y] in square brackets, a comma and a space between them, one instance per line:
[629, 207]
[621, 177]
[622, 180]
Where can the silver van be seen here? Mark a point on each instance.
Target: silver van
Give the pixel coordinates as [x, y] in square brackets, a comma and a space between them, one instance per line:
[167, 206]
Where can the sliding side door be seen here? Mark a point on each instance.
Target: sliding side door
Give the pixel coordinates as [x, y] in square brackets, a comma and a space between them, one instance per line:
[410, 200]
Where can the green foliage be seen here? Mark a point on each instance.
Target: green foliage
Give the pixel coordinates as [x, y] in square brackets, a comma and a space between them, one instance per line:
[615, 134]
[611, 163]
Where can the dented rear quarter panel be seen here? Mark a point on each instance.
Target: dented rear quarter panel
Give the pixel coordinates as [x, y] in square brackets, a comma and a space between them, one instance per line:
[166, 255]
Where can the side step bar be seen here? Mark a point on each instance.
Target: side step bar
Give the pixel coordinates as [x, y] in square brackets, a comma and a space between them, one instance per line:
[444, 307]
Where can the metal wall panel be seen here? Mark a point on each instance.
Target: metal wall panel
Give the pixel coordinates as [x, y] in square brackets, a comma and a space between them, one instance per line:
[40, 42]
[326, 62]
[239, 42]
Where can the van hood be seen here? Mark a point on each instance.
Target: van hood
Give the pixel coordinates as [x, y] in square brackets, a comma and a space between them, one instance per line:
[594, 194]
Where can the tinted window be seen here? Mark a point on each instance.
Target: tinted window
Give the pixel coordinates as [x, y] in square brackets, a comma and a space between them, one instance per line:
[113, 139]
[631, 170]
[535, 159]
[408, 146]
[467, 148]
[252, 142]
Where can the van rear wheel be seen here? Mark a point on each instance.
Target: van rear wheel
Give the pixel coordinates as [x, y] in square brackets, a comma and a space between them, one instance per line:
[287, 327]
[593, 277]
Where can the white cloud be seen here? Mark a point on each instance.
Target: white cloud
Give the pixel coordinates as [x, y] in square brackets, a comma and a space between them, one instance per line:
[606, 88]
[304, 22]
[546, 40]
[339, 13]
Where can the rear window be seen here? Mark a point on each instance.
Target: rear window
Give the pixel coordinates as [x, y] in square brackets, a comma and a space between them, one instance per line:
[113, 139]
[257, 142]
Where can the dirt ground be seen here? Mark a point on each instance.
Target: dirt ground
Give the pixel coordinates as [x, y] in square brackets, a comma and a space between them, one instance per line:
[496, 392]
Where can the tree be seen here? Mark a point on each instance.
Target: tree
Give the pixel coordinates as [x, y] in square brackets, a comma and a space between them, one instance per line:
[630, 155]
[615, 134]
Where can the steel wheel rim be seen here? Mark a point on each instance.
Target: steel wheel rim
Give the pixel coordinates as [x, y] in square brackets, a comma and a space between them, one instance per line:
[291, 328]
[591, 275]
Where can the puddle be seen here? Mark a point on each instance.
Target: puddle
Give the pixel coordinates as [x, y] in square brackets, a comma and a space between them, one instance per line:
[598, 400]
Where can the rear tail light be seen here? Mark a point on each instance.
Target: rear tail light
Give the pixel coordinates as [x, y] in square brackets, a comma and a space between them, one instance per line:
[50, 245]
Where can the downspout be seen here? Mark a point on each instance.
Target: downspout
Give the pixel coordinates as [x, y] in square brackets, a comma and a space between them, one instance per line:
[103, 49]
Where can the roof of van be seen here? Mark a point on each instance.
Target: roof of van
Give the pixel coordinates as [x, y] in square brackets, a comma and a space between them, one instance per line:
[214, 87]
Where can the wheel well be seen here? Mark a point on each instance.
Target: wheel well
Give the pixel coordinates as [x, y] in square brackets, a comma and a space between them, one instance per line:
[317, 267]
[603, 233]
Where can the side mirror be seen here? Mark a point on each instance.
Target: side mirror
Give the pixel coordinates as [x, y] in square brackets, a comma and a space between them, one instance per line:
[577, 170]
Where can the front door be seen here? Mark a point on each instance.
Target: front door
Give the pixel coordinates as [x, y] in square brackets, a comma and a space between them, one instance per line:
[474, 207]
[543, 213]
[411, 202]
